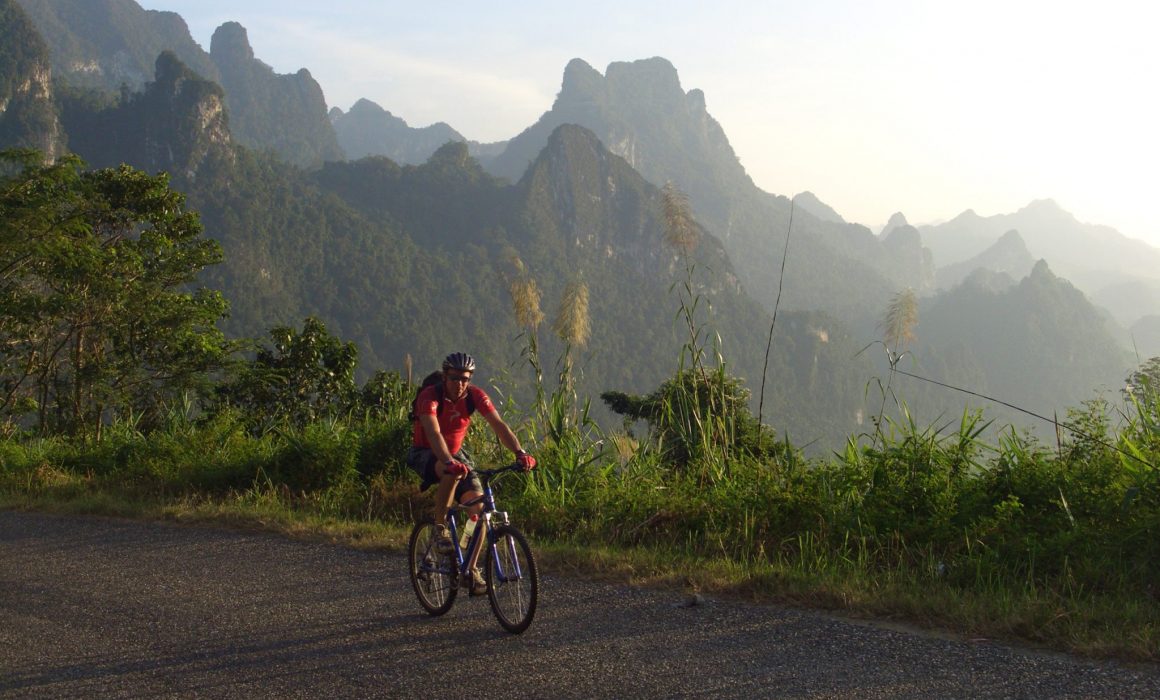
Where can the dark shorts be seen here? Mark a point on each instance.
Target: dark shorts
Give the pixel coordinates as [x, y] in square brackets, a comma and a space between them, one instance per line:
[422, 461]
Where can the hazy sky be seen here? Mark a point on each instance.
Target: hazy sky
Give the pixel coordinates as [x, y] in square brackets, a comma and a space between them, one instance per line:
[928, 108]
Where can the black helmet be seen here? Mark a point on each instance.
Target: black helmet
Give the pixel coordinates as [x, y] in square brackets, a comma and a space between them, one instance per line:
[460, 361]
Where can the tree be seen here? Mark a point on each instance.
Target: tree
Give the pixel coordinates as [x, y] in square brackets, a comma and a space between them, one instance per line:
[98, 316]
[724, 423]
[303, 376]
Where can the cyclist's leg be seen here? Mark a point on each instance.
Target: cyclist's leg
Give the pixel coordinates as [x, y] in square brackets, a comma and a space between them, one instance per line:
[473, 555]
[446, 490]
[443, 497]
[470, 488]
[423, 461]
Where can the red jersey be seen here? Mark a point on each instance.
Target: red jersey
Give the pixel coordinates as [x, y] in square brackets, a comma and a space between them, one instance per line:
[453, 419]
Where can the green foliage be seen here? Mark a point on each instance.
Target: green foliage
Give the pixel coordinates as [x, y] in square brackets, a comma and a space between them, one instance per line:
[301, 377]
[696, 415]
[316, 457]
[1142, 392]
[911, 482]
[99, 320]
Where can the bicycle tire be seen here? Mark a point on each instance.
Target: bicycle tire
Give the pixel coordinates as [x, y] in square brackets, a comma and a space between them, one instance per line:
[513, 582]
[433, 575]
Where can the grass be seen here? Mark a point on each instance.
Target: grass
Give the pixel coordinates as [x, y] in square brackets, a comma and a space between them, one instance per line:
[1058, 548]
[1092, 625]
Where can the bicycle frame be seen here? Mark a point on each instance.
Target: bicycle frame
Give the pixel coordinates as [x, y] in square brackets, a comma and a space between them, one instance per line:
[484, 528]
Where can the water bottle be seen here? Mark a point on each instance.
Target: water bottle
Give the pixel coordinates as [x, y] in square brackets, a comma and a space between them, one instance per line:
[468, 528]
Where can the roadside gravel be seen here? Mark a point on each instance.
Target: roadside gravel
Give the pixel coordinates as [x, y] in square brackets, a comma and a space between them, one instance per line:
[99, 607]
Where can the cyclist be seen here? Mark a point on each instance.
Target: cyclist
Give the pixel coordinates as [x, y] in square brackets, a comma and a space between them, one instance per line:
[443, 413]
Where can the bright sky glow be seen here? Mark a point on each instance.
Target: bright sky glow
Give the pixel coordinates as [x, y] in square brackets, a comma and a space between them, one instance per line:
[876, 106]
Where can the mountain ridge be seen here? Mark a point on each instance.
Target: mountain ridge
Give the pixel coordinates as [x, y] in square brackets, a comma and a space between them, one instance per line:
[1007, 255]
[1096, 258]
[369, 130]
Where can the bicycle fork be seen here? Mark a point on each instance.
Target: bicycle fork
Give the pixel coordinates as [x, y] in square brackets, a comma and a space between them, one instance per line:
[514, 574]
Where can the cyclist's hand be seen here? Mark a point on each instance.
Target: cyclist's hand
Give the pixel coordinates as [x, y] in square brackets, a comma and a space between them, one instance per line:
[525, 460]
[456, 468]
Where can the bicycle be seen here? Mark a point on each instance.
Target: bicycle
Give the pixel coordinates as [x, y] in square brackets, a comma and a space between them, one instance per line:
[513, 582]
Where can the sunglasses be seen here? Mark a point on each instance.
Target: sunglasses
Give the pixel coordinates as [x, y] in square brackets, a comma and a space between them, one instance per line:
[458, 378]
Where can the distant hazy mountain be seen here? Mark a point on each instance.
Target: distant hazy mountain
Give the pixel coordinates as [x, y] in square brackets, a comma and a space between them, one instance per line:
[1038, 343]
[641, 113]
[369, 130]
[1145, 338]
[1097, 259]
[896, 220]
[981, 279]
[285, 113]
[1009, 255]
[1129, 299]
[808, 201]
[903, 246]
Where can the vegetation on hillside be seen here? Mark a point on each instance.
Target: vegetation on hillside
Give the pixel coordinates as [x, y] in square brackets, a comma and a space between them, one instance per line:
[1056, 544]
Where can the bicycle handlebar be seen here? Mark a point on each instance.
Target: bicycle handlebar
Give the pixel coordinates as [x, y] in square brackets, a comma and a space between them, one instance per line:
[513, 467]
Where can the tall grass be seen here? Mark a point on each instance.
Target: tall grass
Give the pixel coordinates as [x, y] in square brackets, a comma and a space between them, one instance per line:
[1039, 542]
[561, 428]
[695, 412]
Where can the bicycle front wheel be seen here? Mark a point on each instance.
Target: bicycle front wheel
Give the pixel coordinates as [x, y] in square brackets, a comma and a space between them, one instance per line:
[432, 574]
[512, 580]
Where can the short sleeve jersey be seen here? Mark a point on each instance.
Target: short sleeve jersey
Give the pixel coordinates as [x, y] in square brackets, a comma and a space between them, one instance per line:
[453, 421]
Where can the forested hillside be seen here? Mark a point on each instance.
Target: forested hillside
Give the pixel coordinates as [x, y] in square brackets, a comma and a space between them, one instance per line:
[110, 47]
[416, 259]
[1038, 333]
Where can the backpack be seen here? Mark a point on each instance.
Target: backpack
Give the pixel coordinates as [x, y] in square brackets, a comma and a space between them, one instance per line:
[436, 378]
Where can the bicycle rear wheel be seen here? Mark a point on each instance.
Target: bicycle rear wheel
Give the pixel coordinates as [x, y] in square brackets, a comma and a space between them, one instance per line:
[432, 574]
[512, 580]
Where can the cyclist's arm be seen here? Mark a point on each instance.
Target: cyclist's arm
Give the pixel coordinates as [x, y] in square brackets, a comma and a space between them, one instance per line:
[435, 438]
[506, 435]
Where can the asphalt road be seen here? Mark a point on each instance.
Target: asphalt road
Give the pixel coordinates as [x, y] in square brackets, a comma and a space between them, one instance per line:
[106, 608]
